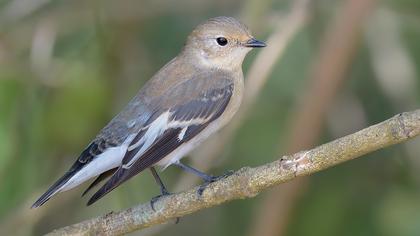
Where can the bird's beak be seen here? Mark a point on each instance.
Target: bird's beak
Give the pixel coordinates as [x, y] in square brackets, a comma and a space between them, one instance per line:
[253, 43]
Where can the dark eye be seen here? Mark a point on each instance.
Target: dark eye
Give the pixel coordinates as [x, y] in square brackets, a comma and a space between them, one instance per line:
[222, 41]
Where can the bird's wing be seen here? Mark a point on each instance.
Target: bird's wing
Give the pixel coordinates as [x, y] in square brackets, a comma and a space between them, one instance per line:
[183, 116]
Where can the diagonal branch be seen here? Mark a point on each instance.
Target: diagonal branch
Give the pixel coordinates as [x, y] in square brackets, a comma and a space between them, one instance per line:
[248, 182]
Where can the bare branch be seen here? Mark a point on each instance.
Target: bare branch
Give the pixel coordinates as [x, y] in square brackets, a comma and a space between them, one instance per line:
[248, 182]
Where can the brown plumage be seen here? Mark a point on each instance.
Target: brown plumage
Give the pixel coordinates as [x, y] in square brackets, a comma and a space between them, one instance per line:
[190, 98]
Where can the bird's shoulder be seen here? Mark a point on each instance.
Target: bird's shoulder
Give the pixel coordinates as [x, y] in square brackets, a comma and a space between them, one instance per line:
[183, 74]
[196, 87]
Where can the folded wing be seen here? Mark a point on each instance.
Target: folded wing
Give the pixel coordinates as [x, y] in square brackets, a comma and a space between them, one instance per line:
[180, 120]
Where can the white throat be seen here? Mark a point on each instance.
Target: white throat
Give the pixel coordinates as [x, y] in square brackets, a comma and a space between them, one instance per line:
[230, 62]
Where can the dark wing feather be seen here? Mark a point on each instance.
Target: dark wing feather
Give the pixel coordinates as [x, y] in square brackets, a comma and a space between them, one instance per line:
[208, 106]
[99, 179]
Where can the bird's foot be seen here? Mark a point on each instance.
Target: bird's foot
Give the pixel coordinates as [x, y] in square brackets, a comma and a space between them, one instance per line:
[156, 198]
[212, 179]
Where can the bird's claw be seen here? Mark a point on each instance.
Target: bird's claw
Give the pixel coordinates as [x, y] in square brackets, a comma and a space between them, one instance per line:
[213, 179]
[156, 198]
[228, 173]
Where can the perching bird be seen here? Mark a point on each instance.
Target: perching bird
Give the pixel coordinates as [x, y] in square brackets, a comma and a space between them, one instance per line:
[186, 101]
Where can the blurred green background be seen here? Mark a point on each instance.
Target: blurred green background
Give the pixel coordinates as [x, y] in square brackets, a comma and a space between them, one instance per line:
[67, 67]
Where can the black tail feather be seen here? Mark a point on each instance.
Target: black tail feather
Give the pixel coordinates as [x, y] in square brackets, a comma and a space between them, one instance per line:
[100, 178]
[57, 185]
[112, 183]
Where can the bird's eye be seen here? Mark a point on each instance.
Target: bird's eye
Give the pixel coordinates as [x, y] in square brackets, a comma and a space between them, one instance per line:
[222, 41]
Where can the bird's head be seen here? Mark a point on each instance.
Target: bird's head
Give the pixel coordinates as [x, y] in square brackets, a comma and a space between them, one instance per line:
[221, 42]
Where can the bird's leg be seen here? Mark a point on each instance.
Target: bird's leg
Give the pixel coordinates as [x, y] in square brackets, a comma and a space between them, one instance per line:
[207, 178]
[163, 190]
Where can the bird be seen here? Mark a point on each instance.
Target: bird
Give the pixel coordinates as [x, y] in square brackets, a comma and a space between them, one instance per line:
[187, 100]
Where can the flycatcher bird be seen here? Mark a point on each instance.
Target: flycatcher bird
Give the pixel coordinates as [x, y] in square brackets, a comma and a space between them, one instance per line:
[186, 101]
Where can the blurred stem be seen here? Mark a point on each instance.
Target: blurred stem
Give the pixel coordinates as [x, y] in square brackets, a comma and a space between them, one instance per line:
[254, 11]
[336, 53]
[248, 182]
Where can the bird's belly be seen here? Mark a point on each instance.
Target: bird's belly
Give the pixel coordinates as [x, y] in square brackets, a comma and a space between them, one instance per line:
[187, 147]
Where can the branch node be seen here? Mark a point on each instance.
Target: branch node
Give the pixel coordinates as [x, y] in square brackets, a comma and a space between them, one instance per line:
[296, 163]
[303, 160]
[408, 126]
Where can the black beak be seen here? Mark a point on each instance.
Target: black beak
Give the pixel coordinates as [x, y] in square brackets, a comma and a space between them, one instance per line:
[253, 43]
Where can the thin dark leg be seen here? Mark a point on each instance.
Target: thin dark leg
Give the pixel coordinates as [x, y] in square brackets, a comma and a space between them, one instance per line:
[207, 178]
[204, 176]
[163, 190]
[158, 180]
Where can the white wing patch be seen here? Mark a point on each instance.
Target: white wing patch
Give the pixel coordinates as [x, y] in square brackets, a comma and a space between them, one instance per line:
[182, 133]
[157, 128]
[154, 130]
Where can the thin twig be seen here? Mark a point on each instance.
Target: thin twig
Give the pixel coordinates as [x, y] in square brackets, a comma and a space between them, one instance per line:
[248, 182]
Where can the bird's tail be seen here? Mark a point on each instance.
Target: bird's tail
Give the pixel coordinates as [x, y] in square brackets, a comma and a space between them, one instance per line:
[57, 186]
